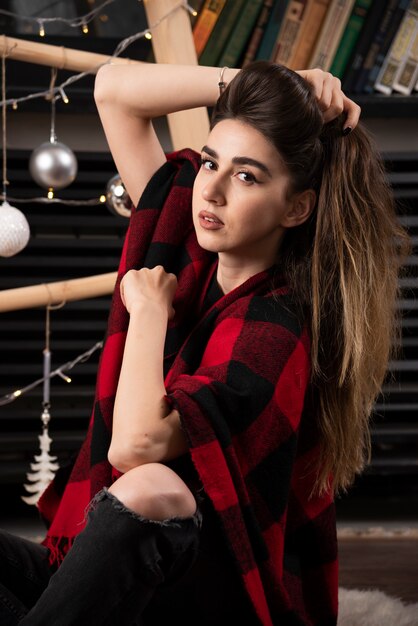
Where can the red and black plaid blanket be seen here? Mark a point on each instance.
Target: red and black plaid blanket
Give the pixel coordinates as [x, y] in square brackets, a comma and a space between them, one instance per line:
[239, 376]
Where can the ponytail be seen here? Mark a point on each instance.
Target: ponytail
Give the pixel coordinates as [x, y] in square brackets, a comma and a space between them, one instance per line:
[358, 249]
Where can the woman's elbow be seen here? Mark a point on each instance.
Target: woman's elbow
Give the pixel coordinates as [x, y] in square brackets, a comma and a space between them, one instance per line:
[104, 84]
[124, 457]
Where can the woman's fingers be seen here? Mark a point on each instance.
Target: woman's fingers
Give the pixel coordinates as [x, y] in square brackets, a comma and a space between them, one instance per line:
[353, 113]
[331, 98]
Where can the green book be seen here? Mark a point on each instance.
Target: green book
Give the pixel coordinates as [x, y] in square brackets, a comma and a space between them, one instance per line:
[350, 37]
[219, 36]
[240, 34]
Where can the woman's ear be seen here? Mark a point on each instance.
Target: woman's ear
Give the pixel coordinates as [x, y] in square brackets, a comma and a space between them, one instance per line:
[300, 208]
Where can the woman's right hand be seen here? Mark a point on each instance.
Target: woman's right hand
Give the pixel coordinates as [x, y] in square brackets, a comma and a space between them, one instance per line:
[149, 288]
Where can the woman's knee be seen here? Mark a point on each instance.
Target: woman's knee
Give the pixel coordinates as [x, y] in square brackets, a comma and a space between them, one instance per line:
[154, 491]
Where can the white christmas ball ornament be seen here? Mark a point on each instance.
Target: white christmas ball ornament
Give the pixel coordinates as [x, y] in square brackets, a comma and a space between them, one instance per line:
[14, 230]
[117, 198]
[53, 164]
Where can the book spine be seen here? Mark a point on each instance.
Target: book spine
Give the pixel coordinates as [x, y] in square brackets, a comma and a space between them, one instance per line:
[350, 37]
[408, 71]
[331, 33]
[258, 32]
[270, 34]
[205, 23]
[391, 28]
[376, 36]
[308, 34]
[289, 30]
[241, 33]
[398, 50]
[222, 30]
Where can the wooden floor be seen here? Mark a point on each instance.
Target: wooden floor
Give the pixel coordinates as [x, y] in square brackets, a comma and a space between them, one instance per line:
[390, 565]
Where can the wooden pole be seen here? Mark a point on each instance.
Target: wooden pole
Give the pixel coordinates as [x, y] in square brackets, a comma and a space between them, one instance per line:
[54, 293]
[172, 42]
[55, 56]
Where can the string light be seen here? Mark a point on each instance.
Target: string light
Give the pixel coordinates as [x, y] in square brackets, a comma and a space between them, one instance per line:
[53, 200]
[148, 35]
[73, 23]
[121, 47]
[14, 105]
[50, 193]
[10, 397]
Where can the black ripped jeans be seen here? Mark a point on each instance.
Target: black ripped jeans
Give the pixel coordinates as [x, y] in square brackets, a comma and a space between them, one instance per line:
[125, 570]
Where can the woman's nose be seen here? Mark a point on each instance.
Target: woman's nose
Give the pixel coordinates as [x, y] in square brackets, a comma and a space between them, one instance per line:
[213, 191]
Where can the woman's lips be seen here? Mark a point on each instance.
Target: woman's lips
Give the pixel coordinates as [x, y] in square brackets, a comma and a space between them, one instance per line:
[209, 221]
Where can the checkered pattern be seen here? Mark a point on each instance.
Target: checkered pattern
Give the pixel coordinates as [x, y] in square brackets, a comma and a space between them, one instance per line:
[240, 381]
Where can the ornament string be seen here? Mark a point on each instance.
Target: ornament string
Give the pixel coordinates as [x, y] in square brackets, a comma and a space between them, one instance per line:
[3, 124]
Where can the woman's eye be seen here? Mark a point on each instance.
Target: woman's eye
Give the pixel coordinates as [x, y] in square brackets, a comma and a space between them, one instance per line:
[207, 164]
[247, 177]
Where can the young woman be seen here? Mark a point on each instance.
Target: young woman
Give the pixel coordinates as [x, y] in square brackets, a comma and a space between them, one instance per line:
[248, 338]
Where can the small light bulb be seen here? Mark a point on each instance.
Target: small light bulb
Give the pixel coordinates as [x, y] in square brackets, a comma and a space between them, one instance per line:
[67, 379]
[41, 29]
[85, 28]
[50, 193]
[63, 95]
[14, 106]
[17, 393]
[102, 198]
[194, 13]
[148, 35]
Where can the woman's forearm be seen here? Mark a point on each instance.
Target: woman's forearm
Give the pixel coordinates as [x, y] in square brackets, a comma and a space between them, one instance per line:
[139, 403]
[152, 90]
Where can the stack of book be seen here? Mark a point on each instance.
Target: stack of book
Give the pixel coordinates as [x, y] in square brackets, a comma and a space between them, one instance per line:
[371, 45]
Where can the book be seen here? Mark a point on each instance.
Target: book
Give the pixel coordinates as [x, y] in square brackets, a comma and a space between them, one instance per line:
[205, 22]
[255, 40]
[331, 32]
[370, 40]
[350, 37]
[407, 74]
[316, 11]
[237, 42]
[390, 28]
[272, 28]
[220, 33]
[289, 29]
[398, 50]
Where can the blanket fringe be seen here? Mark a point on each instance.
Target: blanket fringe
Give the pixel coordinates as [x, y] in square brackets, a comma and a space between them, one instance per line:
[58, 548]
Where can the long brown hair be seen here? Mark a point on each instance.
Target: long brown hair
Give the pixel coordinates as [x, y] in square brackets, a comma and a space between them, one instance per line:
[342, 264]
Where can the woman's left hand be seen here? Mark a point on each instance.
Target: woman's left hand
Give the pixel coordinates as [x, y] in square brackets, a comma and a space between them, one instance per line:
[331, 98]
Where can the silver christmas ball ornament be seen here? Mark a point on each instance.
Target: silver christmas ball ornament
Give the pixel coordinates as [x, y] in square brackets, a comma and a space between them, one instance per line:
[117, 198]
[14, 230]
[53, 164]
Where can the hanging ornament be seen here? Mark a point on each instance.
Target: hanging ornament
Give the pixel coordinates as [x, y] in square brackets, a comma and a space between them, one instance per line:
[117, 198]
[14, 228]
[53, 165]
[45, 466]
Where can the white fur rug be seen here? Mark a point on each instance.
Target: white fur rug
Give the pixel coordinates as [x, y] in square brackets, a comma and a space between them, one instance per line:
[374, 608]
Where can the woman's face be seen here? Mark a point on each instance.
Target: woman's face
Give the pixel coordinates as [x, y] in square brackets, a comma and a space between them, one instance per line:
[240, 195]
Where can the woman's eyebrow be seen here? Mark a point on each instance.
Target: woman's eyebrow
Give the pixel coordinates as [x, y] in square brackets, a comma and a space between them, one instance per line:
[242, 160]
